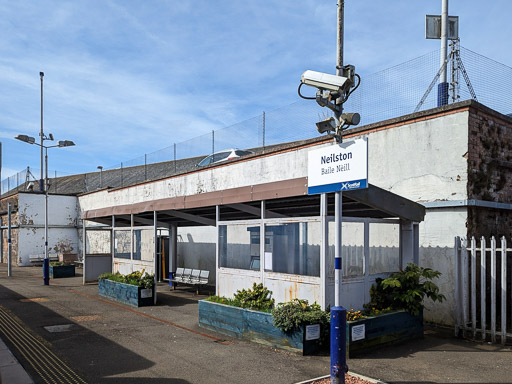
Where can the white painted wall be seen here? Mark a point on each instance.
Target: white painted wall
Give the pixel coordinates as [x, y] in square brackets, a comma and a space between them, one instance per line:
[424, 161]
[62, 219]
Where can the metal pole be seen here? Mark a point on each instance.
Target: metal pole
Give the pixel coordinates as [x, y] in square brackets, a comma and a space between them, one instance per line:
[0, 168]
[46, 262]
[84, 251]
[339, 41]
[9, 241]
[101, 175]
[442, 90]
[338, 313]
[41, 134]
[263, 129]
[338, 211]
[155, 223]
[174, 157]
[145, 167]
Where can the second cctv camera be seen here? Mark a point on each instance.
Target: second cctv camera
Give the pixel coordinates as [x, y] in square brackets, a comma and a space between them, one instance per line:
[324, 81]
[326, 125]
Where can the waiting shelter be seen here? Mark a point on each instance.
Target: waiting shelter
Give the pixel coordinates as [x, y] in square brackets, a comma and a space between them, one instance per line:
[295, 256]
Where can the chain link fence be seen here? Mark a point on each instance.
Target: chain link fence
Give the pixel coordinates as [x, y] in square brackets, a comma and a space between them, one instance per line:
[383, 95]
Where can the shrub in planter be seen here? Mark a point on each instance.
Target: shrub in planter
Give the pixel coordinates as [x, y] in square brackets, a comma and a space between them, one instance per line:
[294, 315]
[138, 278]
[405, 290]
[259, 298]
[135, 289]
[249, 315]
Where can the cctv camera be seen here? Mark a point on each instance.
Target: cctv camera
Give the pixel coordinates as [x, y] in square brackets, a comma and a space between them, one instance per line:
[326, 125]
[350, 118]
[324, 81]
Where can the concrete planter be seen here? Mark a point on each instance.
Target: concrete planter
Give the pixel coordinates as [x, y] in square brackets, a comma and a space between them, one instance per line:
[126, 293]
[57, 271]
[388, 328]
[253, 326]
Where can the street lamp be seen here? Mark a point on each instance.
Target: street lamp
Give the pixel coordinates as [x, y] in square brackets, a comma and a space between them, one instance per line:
[60, 144]
[101, 171]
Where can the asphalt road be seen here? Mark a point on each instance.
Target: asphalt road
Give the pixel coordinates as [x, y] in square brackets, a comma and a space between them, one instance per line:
[106, 342]
[100, 341]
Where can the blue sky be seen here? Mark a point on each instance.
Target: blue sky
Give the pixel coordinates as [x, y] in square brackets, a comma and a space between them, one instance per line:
[124, 78]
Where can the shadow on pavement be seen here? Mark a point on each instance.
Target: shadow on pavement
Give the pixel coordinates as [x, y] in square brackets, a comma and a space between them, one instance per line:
[93, 357]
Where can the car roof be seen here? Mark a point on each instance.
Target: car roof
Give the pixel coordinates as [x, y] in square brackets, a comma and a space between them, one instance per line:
[230, 150]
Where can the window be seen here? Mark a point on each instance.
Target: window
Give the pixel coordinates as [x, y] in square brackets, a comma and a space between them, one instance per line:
[384, 248]
[122, 244]
[143, 244]
[239, 152]
[220, 156]
[238, 247]
[293, 248]
[205, 161]
[352, 250]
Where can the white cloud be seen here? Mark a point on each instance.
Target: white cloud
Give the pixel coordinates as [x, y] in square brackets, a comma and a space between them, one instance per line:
[124, 78]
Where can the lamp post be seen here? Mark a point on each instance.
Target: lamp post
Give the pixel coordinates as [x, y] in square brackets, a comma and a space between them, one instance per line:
[41, 134]
[60, 144]
[101, 171]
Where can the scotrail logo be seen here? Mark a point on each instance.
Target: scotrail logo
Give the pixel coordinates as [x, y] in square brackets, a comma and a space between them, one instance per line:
[349, 185]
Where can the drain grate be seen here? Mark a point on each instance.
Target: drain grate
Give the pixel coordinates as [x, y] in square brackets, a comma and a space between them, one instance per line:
[60, 328]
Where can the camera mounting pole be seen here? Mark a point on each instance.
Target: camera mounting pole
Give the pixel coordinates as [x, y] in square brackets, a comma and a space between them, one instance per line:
[338, 313]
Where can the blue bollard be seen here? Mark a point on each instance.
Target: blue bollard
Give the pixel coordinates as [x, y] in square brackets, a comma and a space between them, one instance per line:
[46, 271]
[171, 276]
[338, 344]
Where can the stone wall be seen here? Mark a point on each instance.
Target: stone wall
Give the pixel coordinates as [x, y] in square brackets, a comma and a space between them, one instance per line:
[489, 172]
[14, 232]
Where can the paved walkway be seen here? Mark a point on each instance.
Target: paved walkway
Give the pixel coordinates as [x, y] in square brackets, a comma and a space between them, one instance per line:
[11, 370]
[67, 326]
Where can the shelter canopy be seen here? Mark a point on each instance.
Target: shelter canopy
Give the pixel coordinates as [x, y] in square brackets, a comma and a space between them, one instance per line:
[286, 198]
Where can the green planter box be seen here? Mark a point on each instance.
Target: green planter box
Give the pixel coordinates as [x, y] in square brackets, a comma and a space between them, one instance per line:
[126, 293]
[388, 328]
[57, 271]
[255, 326]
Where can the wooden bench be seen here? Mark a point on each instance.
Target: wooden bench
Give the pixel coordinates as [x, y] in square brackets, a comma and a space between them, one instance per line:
[188, 276]
[38, 259]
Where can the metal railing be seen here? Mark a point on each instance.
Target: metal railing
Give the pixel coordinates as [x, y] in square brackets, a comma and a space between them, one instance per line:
[383, 95]
[482, 279]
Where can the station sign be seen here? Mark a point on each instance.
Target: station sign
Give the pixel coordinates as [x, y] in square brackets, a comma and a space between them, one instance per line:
[339, 167]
